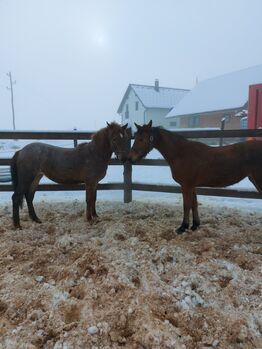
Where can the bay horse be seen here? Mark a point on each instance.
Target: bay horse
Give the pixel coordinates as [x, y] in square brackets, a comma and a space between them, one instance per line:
[87, 163]
[195, 164]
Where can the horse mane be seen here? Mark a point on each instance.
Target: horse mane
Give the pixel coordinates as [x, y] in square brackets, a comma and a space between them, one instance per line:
[100, 134]
[96, 137]
[157, 130]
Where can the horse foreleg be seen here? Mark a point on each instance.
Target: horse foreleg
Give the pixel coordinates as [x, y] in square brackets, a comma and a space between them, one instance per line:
[90, 200]
[187, 204]
[29, 195]
[94, 214]
[29, 200]
[257, 181]
[196, 220]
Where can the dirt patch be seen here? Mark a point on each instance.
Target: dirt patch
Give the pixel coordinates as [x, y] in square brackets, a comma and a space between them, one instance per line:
[129, 280]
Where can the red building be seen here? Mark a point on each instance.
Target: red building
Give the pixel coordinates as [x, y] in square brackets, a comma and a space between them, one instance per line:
[255, 106]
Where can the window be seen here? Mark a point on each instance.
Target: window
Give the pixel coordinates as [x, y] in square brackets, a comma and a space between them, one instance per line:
[136, 105]
[173, 123]
[193, 121]
[127, 112]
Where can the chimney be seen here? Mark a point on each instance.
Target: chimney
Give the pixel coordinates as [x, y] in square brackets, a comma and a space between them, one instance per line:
[157, 85]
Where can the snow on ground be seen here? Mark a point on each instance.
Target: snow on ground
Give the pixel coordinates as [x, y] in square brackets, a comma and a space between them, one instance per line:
[129, 280]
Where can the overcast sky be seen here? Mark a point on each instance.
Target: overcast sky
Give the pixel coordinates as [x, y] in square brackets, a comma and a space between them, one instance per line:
[73, 59]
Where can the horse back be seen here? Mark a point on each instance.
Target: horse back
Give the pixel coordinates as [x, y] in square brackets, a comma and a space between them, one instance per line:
[62, 165]
[38, 153]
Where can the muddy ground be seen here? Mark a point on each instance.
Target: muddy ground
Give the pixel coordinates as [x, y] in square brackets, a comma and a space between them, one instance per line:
[129, 281]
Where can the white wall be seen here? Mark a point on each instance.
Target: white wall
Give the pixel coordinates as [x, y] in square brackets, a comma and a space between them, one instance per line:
[157, 115]
[173, 122]
[141, 116]
[134, 115]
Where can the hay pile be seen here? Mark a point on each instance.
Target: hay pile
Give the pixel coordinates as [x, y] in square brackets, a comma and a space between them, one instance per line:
[128, 280]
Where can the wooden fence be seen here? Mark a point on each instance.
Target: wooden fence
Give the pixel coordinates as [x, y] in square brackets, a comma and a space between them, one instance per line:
[128, 185]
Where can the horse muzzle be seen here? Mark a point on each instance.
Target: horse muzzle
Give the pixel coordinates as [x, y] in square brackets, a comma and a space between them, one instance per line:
[121, 156]
[133, 157]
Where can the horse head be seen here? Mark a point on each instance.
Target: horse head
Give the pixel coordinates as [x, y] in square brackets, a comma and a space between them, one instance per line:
[143, 143]
[118, 138]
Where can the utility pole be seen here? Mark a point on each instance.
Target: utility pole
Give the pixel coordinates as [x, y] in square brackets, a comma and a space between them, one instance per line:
[12, 96]
[196, 80]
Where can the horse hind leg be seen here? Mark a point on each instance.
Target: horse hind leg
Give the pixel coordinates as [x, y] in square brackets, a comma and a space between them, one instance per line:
[29, 195]
[17, 201]
[196, 220]
[256, 179]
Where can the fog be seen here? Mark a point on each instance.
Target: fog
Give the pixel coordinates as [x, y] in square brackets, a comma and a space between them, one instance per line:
[73, 60]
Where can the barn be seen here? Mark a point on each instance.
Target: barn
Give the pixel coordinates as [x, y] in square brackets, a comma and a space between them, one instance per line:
[211, 100]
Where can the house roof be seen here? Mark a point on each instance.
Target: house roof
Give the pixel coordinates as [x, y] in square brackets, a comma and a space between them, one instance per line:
[165, 97]
[222, 93]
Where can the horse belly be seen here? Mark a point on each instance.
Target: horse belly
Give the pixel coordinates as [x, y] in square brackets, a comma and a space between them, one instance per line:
[63, 175]
[74, 176]
[64, 180]
[220, 177]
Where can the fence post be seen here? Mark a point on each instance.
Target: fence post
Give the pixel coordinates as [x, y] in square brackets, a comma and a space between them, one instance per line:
[128, 175]
[222, 127]
[75, 140]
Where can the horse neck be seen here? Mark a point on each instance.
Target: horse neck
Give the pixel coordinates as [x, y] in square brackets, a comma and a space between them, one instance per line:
[168, 144]
[102, 146]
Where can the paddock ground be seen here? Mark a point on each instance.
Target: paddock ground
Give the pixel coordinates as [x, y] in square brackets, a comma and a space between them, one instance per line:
[129, 279]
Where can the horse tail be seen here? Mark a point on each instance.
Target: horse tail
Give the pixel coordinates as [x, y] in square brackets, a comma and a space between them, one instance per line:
[13, 168]
[14, 176]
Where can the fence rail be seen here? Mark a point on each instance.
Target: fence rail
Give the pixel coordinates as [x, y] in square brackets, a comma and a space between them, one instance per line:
[81, 135]
[128, 185]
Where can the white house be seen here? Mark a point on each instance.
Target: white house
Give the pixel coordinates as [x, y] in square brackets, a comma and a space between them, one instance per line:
[142, 103]
[213, 99]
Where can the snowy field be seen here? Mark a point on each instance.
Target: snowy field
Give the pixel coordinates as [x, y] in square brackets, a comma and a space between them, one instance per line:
[146, 174]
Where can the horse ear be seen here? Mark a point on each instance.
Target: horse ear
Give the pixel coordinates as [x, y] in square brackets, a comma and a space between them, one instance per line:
[149, 125]
[137, 126]
[124, 126]
[108, 124]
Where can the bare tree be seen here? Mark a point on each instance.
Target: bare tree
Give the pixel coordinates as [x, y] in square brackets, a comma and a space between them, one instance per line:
[10, 88]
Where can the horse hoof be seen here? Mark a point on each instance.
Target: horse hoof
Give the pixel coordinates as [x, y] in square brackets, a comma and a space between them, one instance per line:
[17, 227]
[37, 220]
[96, 219]
[194, 227]
[182, 229]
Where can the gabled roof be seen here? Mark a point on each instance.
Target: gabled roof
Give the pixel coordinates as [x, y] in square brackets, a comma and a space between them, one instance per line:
[222, 93]
[165, 97]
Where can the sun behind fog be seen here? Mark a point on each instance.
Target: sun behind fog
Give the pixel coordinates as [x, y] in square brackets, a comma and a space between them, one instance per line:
[100, 40]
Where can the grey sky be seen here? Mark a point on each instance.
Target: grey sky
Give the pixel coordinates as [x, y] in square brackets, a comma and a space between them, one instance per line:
[73, 59]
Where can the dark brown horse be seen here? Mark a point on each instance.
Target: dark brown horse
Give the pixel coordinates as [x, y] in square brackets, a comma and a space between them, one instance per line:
[194, 164]
[87, 163]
